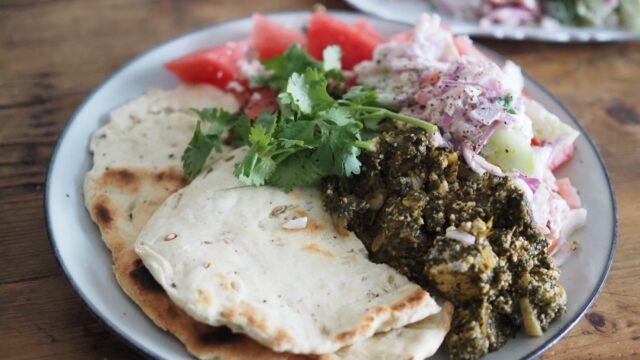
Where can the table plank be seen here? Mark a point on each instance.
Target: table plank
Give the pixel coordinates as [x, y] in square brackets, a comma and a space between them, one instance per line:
[53, 53]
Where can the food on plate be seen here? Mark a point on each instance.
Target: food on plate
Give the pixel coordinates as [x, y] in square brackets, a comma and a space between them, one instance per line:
[271, 265]
[305, 196]
[602, 13]
[135, 170]
[422, 210]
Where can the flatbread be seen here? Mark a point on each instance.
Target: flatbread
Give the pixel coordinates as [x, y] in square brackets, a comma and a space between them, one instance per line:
[134, 171]
[122, 192]
[414, 342]
[225, 253]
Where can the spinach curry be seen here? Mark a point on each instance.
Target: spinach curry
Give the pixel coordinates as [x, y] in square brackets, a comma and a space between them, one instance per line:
[408, 199]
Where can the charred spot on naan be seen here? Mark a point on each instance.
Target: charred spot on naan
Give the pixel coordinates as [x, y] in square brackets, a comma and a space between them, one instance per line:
[317, 249]
[365, 326]
[121, 178]
[282, 338]
[172, 176]
[413, 301]
[104, 212]
[144, 279]
[210, 335]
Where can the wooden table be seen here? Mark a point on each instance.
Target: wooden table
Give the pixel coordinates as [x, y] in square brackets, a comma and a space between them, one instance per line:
[53, 53]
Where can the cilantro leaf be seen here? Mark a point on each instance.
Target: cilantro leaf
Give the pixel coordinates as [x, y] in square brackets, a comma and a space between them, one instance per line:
[297, 170]
[337, 153]
[197, 152]
[295, 60]
[267, 119]
[257, 165]
[299, 93]
[255, 169]
[362, 95]
[308, 92]
[241, 130]
[340, 116]
[217, 122]
[301, 130]
[218, 119]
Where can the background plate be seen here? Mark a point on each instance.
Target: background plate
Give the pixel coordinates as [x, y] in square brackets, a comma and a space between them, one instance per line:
[407, 11]
[87, 262]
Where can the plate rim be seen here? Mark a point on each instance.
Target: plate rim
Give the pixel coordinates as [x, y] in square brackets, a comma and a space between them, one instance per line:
[141, 349]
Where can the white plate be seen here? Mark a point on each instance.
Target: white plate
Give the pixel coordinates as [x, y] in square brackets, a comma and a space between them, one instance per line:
[407, 11]
[87, 262]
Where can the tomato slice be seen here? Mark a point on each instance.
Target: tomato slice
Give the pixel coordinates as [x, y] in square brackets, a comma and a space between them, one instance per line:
[270, 38]
[366, 28]
[357, 45]
[217, 66]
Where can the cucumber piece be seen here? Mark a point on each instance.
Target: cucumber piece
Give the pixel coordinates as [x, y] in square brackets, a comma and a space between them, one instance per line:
[510, 150]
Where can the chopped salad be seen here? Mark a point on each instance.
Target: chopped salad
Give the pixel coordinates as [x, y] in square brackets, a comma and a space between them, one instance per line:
[601, 13]
[480, 110]
[315, 102]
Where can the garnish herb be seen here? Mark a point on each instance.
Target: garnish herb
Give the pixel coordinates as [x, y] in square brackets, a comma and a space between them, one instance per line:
[507, 103]
[312, 136]
[217, 122]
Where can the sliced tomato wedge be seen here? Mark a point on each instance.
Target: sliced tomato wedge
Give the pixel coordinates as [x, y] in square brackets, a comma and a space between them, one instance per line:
[357, 45]
[367, 29]
[216, 66]
[270, 38]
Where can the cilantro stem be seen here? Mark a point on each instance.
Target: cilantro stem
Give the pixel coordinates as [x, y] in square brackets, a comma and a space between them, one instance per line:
[377, 112]
[364, 145]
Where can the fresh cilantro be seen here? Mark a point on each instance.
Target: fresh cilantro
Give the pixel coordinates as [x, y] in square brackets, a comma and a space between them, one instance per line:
[241, 130]
[308, 92]
[257, 165]
[311, 137]
[217, 122]
[362, 95]
[296, 170]
[295, 60]
[198, 151]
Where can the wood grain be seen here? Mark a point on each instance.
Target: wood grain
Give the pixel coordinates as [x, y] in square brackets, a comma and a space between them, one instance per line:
[53, 53]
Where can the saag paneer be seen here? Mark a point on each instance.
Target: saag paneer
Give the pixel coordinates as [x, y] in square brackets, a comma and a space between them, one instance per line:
[470, 238]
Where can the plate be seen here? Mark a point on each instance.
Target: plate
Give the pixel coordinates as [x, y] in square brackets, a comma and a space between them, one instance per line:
[87, 262]
[407, 11]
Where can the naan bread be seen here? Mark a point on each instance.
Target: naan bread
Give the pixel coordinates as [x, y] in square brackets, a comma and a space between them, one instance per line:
[415, 341]
[133, 174]
[223, 253]
[123, 190]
